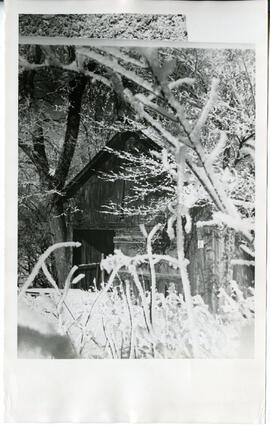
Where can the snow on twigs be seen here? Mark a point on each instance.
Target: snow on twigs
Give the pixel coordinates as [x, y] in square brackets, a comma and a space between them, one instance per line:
[245, 226]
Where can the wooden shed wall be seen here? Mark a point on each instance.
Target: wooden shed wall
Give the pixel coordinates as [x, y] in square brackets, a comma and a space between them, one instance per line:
[209, 250]
[97, 192]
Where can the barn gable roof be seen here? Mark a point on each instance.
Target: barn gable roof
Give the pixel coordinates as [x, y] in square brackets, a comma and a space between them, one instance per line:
[118, 142]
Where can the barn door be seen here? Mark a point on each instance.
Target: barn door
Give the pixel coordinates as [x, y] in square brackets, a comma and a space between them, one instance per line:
[95, 245]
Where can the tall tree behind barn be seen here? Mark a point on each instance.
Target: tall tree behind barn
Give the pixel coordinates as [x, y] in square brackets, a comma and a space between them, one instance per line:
[37, 101]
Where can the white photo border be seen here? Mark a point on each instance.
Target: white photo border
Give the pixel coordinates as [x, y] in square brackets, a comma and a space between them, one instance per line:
[227, 391]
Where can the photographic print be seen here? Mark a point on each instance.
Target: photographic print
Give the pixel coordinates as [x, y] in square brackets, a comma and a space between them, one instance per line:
[123, 26]
[136, 199]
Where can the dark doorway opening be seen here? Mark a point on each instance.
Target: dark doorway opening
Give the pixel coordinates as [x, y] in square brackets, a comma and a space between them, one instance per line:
[96, 244]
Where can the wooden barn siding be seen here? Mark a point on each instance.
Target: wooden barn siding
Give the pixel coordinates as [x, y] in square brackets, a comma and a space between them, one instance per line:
[92, 197]
[210, 263]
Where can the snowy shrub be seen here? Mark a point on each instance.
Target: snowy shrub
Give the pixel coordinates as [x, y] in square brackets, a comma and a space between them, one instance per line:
[123, 320]
[115, 326]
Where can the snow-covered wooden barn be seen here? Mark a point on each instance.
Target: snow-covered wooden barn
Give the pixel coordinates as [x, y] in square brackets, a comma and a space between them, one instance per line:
[208, 249]
[98, 232]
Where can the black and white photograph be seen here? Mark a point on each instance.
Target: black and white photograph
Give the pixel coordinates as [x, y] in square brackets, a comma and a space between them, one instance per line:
[136, 191]
[117, 26]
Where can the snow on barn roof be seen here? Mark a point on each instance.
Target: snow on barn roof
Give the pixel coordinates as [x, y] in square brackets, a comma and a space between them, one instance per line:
[119, 142]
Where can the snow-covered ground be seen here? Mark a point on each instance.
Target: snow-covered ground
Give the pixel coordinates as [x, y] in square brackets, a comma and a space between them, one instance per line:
[109, 325]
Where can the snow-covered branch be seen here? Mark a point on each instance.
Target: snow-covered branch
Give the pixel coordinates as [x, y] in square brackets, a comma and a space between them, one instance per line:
[172, 140]
[42, 260]
[180, 82]
[162, 111]
[25, 65]
[205, 112]
[241, 225]
[217, 151]
[119, 54]
[116, 67]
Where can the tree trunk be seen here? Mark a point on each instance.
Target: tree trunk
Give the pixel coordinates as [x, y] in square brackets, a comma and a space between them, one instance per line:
[57, 218]
[55, 183]
[57, 223]
[180, 161]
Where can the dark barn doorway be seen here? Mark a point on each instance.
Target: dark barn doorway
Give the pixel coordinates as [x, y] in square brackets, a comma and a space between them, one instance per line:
[96, 244]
